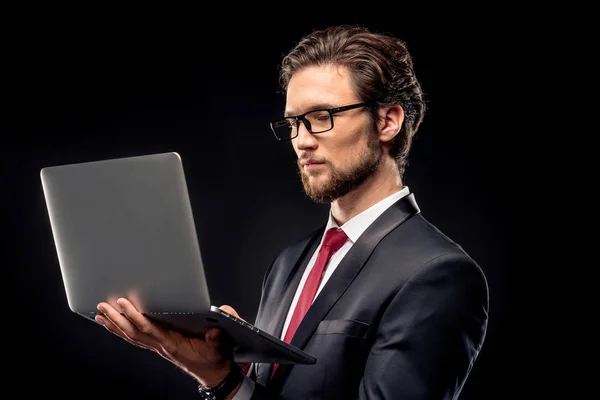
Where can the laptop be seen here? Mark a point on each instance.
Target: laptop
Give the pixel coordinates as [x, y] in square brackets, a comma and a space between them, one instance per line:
[124, 227]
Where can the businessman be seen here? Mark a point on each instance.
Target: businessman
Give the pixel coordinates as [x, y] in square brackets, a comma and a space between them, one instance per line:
[389, 305]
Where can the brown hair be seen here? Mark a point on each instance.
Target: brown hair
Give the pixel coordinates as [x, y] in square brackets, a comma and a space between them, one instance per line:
[381, 70]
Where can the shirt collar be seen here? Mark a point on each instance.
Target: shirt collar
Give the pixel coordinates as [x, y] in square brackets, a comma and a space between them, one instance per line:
[355, 227]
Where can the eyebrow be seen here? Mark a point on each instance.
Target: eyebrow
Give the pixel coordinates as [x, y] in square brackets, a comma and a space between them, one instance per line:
[319, 106]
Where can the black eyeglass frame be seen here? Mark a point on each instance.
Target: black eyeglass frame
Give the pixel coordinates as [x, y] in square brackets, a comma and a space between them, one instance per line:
[302, 118]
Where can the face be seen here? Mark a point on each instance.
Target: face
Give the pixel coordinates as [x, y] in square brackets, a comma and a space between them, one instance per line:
[333, 163]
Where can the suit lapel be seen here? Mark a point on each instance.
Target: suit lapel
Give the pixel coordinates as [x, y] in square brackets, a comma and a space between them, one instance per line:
[300, 262]
[345, 273]
[275, 312]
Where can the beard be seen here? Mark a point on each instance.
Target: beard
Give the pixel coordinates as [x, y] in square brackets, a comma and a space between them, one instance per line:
[344, 180]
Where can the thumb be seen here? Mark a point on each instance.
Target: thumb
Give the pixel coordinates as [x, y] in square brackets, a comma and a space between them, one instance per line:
[230, 310]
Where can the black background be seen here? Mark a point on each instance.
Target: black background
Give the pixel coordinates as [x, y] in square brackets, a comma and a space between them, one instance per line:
[84, 87]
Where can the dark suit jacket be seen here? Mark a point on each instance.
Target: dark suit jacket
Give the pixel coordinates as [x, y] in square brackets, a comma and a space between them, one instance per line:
[402, 317]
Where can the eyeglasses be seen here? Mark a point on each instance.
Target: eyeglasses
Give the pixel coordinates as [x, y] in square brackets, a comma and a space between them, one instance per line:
[315, 121]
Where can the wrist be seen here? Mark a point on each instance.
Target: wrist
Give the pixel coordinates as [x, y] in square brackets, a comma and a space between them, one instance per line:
[225, 388]
[213, 377]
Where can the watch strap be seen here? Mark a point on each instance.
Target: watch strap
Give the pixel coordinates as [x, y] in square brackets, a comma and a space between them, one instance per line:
[224, 387]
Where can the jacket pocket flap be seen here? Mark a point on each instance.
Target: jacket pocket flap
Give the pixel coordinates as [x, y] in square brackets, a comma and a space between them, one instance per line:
[342, 327]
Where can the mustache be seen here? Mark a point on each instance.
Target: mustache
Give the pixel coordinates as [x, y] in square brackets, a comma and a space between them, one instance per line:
[310, 157]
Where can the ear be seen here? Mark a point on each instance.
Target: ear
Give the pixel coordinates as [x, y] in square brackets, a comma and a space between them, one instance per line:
[390, 122]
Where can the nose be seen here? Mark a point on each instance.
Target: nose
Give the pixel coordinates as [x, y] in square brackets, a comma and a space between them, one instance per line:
[305, 139]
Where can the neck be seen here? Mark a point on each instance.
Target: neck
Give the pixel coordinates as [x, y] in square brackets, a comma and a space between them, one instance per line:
[384, 182]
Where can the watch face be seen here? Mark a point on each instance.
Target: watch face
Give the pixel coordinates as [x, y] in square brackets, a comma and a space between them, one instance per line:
[206, 394]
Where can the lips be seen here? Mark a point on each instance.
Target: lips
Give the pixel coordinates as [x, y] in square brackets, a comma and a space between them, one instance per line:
[308, 166]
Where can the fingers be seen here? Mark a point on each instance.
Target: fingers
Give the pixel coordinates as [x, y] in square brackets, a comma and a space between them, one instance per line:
[131, 325]
[123, 319]
[111, 327]
[142, 323]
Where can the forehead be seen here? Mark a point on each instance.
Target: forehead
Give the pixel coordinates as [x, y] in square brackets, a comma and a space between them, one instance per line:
[319, 85]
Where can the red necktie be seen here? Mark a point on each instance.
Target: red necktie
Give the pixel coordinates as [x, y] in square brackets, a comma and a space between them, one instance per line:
[334, 239]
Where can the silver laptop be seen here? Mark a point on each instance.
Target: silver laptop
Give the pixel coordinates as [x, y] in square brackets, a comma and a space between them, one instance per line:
[124, 228]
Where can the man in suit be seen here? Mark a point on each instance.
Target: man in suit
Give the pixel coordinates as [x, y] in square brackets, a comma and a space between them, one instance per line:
[390, 306]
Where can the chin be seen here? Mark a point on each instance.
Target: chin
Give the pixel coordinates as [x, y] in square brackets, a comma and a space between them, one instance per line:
[317, 180]
[314, 183]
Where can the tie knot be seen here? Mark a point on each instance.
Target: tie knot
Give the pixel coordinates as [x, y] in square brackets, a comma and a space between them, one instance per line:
[334, 239]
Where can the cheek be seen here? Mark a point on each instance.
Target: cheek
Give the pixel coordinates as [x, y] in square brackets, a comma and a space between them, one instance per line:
[348, 151]
[354, 141]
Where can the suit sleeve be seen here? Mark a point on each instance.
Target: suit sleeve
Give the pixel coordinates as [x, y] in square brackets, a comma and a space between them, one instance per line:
[430, 333]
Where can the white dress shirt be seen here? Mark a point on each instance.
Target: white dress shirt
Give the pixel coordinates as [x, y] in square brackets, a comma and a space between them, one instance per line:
[353, 228]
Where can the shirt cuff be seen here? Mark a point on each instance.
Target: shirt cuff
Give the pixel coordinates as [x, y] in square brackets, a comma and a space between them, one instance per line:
[246, 390]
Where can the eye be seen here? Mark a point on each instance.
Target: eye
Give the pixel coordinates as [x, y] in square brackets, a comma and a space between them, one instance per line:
[318, 116]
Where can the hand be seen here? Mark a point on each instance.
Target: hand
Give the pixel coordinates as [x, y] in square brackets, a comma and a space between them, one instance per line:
[207, 359]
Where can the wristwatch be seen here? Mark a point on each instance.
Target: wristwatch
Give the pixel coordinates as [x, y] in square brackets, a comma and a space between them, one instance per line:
[224, 387]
